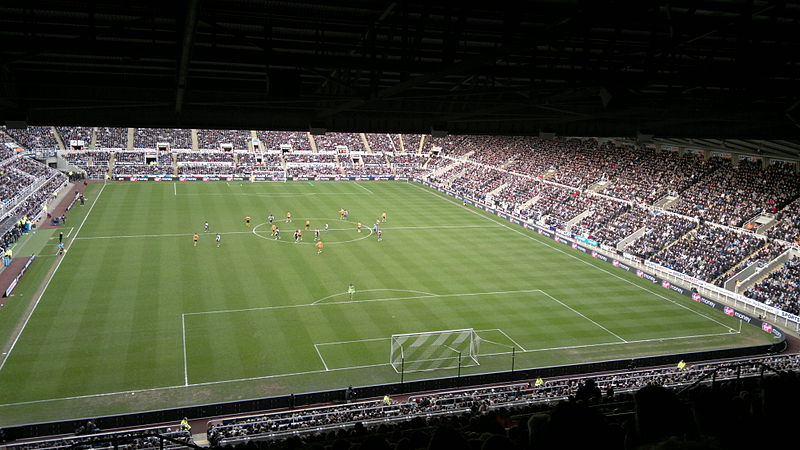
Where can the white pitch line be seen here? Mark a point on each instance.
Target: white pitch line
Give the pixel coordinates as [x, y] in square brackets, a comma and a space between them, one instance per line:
[373, 290]
[321, 358]
[69, 232]
[210, 383]
[185, 364]
[153, 235]
[175, 188]
[388, 338]
[47, 284]
[374, 300]
[447, 199]
[362, 187]
[512, 340]
[582, 315]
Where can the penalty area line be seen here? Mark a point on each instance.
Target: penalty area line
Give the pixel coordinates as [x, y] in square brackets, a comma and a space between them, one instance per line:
[335, 369]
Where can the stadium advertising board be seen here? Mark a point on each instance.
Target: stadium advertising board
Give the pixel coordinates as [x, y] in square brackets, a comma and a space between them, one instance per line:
[19, 276]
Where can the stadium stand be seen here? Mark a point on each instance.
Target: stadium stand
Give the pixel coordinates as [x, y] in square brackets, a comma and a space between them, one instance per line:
[213, 139]
[475, 414]
[177, 138]
[780, 288]
[111, 138]
[272, 140]
[75, 133]
[34, 138]
[330, 141]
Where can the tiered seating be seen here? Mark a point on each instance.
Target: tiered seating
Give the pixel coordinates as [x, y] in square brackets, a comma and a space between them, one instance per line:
[780, 289]
[328, 142]
[132, 439]
[621, 226]
[212, 139]
[129, 158]
[732, 195]
[272, 140]
[645, 176]
[34, 138]
[111, 138]
[205, 163]
[410, 141]
[177, 138]
[381, 142]
[788, 229]
[662, 230]
[603, 211]
[487, 411]
[761, 258]
[408, 165]
[708, 252]
[75, 133]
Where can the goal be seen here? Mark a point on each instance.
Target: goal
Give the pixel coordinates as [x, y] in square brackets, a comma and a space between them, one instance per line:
[434, 350]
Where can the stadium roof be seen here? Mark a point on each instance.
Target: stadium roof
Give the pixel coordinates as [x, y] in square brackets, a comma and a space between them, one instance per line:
[712, 69]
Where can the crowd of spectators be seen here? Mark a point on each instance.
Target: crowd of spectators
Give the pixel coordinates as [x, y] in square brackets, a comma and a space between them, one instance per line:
[204, 169]
[139, 169]
[410, 142]
[328, 142]
[708, 252]
[662, 230]
[601, 212]
[646, 176]
[310, 158]
[111, 138]
[90, 437]
[34, 138]
[177, 138]
[272, 140]
[76, 134]
[213, 139]
[780, 288]
[761, 258]
[96, 172]
[122, 158]
[380, 142]
[621, 226]
[194, 157]
[574, 412]
[13, 182]
[313, 170]
[731, 195]
[788, 227]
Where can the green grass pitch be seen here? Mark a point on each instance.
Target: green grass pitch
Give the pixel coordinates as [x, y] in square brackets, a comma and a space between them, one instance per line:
[135, 317]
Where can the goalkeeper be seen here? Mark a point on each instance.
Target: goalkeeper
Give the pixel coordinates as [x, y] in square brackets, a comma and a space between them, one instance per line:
[351, 291]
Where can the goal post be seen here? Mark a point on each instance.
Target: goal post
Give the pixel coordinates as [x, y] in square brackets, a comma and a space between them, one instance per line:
[434, 350]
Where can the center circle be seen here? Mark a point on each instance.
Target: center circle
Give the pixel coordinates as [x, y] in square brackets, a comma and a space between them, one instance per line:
[290, 238]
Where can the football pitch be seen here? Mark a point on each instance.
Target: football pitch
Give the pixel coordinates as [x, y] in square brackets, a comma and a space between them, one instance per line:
[135, 317]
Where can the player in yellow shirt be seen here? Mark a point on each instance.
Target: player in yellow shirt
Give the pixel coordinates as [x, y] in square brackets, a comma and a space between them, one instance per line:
[383, 217]
[319, 247]
[308, 225]
[359, 227]
[195, 238]
[341, 214]
[288, 217]
[247, 221]
[274, 227]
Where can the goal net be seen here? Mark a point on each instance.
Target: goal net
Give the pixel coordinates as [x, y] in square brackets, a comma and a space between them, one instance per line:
[434, 350]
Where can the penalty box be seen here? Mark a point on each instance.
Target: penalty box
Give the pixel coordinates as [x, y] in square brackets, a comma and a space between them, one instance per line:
[335, 335]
